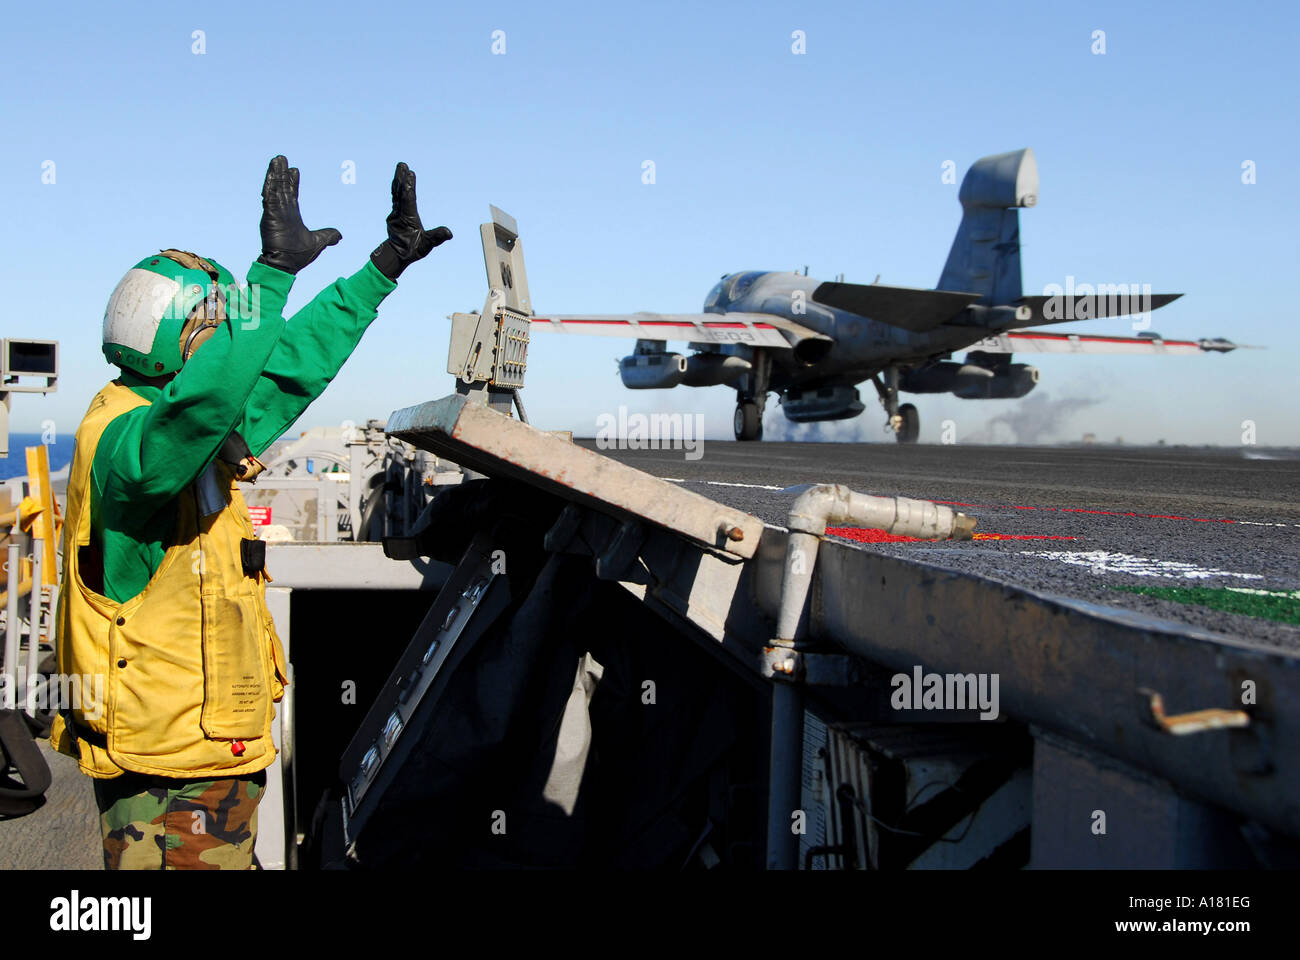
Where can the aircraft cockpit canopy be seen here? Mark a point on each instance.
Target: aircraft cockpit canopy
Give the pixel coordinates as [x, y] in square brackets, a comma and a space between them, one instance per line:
[712, 301]
[731, 288]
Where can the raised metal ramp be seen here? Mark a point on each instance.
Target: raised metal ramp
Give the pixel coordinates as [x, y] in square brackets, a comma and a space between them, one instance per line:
[483, 440]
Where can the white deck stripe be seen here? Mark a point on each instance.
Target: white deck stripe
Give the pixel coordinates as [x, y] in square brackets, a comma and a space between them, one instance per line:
[1103, 561]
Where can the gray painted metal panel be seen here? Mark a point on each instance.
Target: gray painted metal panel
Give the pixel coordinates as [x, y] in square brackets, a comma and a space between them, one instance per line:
[1076, 668]
[476, 437]
[349, 566]
[1146, 824]
[276, 840]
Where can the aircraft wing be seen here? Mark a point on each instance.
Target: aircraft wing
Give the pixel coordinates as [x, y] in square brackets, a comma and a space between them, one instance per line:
[906, 307]
[1038, 341]
[922, 310]
[1091, 306]
[754, 329]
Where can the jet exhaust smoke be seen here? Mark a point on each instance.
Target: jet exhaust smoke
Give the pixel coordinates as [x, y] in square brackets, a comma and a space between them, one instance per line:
[857, 430]
[1036, 419]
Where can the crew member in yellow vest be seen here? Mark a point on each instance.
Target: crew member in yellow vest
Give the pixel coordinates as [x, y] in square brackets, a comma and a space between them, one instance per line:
[164, 582]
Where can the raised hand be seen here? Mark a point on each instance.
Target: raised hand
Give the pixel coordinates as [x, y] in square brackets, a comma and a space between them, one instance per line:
[407, 241]
[287, 244]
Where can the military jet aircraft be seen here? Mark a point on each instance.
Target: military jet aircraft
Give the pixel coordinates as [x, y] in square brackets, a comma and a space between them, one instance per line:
[812, 343]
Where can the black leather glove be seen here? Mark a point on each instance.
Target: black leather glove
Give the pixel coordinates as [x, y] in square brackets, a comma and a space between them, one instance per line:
[407, 240]
[287, 244]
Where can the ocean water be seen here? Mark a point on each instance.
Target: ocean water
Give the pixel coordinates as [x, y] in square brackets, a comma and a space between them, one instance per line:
[15, 465]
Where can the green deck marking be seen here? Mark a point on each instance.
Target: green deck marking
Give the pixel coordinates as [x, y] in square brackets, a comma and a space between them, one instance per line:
[1266, 604]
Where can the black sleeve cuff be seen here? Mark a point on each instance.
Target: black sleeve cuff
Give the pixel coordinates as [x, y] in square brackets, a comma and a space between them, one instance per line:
[387, 261]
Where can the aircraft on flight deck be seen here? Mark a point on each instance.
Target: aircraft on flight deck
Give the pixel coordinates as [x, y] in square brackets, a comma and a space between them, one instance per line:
[812, 342]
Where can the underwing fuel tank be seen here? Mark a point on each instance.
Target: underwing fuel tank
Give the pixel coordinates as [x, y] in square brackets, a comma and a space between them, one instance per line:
[652, 371]
[714, 369]
[659, 371]
[1009, 384]
[971, 381]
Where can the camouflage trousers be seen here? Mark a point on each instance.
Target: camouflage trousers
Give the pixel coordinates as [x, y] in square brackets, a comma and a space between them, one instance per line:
[155, 823]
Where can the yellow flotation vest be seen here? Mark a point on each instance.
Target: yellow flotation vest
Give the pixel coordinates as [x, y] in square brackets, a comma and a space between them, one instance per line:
[192, 664]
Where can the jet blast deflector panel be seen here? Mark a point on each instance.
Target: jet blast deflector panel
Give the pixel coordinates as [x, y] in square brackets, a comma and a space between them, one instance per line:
[488, 442]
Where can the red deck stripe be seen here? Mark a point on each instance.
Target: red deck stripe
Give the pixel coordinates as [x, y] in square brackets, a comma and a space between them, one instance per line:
[863, 535]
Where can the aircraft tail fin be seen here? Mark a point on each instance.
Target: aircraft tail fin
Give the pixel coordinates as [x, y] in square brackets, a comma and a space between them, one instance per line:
[985, 255]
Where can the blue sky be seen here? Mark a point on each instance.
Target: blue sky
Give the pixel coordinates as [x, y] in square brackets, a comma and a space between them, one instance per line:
[764, 160]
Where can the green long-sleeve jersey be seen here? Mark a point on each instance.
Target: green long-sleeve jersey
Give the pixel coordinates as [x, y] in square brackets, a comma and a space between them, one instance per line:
[254, 375]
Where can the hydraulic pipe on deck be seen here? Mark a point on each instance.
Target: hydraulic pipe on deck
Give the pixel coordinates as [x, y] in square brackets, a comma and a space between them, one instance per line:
[809, 515]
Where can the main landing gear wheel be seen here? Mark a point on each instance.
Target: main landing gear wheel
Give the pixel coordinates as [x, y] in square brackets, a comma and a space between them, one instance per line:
[909, 424]
[749, 421]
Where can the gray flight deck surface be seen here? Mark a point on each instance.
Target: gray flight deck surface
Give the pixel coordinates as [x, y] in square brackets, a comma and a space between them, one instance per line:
[1182, 498]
